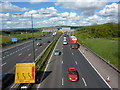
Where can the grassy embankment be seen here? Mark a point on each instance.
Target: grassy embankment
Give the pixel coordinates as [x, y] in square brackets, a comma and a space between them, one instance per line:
[6, 39]
[102, 39]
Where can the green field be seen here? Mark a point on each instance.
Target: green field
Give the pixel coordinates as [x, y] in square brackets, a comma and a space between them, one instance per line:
[106, 48]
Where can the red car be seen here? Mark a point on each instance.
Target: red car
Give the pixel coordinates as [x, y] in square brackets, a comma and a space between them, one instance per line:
[72, 74]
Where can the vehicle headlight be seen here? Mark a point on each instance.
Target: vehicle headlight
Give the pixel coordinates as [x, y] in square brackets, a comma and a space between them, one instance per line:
[76, 78]
[70, 78]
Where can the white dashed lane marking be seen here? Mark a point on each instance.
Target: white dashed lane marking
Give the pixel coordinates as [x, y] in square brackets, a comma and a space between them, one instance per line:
[62, 62]
[84, 81]
[29, 54]
[76, 62]
[62, 82]
[3, 64]
[20, 54]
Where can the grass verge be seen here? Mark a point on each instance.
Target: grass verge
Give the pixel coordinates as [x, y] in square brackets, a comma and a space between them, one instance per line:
[106, 48]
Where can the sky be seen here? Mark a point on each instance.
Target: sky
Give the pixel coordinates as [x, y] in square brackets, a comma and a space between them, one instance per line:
[44, 13]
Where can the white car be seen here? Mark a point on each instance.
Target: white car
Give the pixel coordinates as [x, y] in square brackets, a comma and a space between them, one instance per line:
[65, 43]
[64, 40]
[39, 44]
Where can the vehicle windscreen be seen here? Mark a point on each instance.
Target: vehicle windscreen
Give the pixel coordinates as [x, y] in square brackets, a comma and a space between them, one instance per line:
[72, 72]
[56, 51]
[75, 43]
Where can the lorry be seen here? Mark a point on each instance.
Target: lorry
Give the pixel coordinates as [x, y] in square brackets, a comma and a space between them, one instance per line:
[74, 42]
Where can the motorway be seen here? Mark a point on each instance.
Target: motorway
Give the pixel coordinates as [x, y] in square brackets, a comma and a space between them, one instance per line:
[23, 54]
[55, 74]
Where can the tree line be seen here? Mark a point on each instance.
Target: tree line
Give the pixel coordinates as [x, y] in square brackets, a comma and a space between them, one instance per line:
[107, 30]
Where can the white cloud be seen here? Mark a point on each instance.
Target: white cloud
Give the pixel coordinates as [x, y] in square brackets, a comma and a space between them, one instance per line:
[4, 16]
[41, 13]
[37, 1]
[109, 10]
[85, 7]
[8, 7]
[73, 14]
[54, 18]
[48, 10]
[64, 14]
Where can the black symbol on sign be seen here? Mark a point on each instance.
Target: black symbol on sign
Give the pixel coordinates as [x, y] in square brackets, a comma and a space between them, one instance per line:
[23, 76]
[29, 75]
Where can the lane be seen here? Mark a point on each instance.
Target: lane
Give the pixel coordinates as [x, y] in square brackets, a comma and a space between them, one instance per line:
[22, 56]
[68, 59]
[21, 47]
[85, 70]
[58, 67]
[52, 76]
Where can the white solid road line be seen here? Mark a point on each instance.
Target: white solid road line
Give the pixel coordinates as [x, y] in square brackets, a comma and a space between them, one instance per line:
[3, 64]
[10, 53]
[62, 81]
[76, 62]
[96, 70]
[84, 81]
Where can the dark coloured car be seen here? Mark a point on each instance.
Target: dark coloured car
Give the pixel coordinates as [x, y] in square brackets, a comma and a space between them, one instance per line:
[48, 41]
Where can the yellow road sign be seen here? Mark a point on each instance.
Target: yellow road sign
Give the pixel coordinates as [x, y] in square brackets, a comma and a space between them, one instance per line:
[25, 73]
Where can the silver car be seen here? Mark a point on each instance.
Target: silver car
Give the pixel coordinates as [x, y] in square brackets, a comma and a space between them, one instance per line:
[57, 52]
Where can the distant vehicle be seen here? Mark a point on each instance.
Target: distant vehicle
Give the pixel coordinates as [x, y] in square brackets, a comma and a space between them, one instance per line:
[57, 52]
[39, 44]
[74, 42]
[72, 74]
[54, 34]
[65, 34]
[36, 39]
[40, 39]
[64, 39]
[48, 41]
[65, 43]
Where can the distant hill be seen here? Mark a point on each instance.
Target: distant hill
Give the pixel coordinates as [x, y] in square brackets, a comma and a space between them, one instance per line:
[106, 30]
